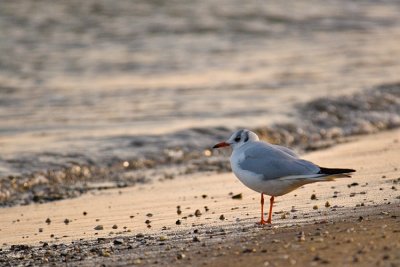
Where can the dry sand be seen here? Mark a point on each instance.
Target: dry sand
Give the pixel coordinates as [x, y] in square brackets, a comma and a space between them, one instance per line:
[372, 194]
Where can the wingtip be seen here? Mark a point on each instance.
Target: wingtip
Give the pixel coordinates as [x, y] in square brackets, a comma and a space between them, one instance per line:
[335, 170]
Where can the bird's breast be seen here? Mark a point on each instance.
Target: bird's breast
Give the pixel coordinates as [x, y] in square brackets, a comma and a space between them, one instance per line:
[248, 178]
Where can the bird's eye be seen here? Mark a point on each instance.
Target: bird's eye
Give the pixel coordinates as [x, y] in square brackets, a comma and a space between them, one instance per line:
[237, 139]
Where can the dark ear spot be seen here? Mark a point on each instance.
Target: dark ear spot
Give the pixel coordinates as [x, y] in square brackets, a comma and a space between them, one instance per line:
[246, 136]
[237, 138]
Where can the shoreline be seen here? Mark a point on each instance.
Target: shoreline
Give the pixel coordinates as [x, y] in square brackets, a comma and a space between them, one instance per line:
[131, 160]
[372, 188]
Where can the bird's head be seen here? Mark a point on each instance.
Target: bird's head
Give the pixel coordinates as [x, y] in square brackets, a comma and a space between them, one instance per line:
[238, 139]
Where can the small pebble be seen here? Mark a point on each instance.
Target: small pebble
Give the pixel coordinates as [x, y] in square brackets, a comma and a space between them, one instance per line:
[313, 197]
[222, 217]
[180, 256]
[118, 241]
[301, 236]
[249, 250]
[238, 196]
[99, 227]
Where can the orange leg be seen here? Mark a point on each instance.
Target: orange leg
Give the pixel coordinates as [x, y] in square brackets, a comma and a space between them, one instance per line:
[271, 203]
[262, 209]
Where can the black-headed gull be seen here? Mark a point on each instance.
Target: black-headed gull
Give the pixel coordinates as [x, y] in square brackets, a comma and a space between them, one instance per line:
[271, 169]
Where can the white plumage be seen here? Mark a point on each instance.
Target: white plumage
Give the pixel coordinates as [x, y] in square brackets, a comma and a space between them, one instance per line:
[271, 169]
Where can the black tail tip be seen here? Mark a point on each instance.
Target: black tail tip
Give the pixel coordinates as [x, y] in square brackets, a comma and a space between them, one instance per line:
[335, 170]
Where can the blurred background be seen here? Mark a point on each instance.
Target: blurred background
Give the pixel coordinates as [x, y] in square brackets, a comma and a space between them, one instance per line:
[88, 86]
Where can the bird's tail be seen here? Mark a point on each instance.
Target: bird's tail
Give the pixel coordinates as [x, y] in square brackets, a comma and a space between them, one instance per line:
[325, 174]
[336, 171]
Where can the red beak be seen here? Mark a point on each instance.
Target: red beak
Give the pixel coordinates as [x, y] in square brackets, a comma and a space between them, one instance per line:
[222, 144]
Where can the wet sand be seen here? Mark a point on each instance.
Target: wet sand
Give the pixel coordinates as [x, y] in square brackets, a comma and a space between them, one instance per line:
[371, 197]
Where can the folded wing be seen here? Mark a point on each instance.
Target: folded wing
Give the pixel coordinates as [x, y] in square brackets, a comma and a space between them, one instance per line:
[273, 162]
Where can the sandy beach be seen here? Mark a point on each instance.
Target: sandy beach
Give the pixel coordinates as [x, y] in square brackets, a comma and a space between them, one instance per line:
[135, 224]
[109, 110]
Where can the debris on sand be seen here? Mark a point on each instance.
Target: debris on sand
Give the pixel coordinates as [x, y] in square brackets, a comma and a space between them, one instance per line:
[178, 210]
[193, 246]
[99, 227]
[249, 250]
[352, 184]
[284, 214]
[118, 241]
[180, 256]
[197, 213]
[238, 196]
[139, 235]
[301, 237]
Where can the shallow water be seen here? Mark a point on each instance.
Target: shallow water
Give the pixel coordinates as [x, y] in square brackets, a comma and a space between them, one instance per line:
[92, 83]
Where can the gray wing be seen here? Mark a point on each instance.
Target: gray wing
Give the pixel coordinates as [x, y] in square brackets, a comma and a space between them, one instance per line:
[286, 150]
[273, 163]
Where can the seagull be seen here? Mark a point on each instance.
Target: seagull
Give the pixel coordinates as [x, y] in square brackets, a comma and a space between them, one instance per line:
[272, 169]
